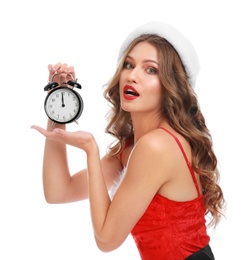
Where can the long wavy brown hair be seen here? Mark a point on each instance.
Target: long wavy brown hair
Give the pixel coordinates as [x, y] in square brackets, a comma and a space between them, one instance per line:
[181, 109]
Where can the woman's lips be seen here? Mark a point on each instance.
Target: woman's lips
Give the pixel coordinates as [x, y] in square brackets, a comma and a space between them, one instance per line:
[130, 93]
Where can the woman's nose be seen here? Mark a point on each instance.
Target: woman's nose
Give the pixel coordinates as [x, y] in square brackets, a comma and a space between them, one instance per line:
[134, 75]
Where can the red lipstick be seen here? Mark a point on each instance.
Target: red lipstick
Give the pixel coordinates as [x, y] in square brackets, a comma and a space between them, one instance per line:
[130, 93]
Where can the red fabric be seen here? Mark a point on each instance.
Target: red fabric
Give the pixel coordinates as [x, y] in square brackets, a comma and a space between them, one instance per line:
[171, 230]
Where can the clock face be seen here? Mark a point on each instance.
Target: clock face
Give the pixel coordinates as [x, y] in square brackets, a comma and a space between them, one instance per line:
[63, 105]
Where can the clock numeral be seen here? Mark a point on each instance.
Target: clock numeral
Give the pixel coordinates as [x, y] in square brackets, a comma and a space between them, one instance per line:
[53, 100]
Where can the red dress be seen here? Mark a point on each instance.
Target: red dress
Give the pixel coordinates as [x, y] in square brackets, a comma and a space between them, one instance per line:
[171, 230]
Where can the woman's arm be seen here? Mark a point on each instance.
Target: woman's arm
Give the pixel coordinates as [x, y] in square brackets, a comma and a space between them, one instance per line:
[56, 176]
[114, 220]
[59, 185]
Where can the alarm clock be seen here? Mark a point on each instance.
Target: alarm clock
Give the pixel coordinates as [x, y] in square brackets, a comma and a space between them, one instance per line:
[63, 104]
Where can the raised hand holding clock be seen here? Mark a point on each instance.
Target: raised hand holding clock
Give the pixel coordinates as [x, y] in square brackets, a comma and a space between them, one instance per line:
[62, 104]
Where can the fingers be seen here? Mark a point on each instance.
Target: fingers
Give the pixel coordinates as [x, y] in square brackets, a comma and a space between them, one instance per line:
[61, 68]
[40, 130]
[56, 134]
[49, 133]
[79, 139]
[64, 71]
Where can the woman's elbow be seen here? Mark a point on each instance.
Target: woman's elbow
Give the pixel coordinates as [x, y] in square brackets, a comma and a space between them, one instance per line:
[107, 246]
[52, 198]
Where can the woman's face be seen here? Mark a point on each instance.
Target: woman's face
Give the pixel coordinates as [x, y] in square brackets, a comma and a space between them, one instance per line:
[140, 87]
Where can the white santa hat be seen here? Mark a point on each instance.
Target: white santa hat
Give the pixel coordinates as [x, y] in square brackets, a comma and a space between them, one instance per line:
[181, 44]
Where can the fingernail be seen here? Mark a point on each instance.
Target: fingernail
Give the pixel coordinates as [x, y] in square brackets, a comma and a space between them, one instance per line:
[56, 130]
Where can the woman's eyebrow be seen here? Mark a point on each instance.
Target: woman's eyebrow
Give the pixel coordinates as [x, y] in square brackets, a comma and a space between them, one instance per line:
[145, 61]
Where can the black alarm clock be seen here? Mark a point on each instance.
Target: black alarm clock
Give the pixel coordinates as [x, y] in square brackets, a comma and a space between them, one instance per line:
[63, 104]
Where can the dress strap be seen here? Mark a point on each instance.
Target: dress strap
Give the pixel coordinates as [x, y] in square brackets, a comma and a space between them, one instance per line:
[185, 156]
[123, 149]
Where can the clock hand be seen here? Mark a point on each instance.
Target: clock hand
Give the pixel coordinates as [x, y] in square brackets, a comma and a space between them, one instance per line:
[62, 94]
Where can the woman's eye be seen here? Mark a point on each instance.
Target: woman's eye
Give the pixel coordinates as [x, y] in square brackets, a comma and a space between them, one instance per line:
[128, 65]
[151, 70]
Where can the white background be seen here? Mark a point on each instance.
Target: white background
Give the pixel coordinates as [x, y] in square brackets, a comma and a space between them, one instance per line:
[88, 34]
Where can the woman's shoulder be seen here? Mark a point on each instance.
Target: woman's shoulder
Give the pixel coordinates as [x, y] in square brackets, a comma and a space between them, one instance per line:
[157, 139]
[162, 143]
[157, 155]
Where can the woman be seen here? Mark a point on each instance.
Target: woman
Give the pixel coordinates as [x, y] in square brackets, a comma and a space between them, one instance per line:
[168, 179]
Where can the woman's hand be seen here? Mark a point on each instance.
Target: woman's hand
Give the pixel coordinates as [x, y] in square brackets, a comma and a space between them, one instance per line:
[79, 139]
[65, 73]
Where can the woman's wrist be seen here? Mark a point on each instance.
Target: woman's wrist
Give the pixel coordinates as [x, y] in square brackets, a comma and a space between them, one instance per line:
[91, 148]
